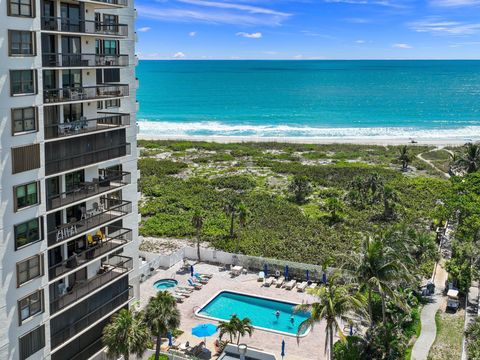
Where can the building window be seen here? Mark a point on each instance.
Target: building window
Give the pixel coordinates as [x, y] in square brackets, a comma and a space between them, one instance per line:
[24, 120]
[31, 342]
[26, 195]
[115, 103]
[107, 47]
[30, 306]
[21, 8]
[25, 158]
[22, 82]
[21, 43]
[27, 233]
[29, 269]
[111, 75]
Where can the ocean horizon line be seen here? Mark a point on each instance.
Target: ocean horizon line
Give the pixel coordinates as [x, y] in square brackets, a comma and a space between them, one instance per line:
[306, 59]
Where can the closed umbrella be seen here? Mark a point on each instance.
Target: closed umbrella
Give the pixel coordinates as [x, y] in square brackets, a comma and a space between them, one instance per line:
[324, 278]
[265, 269]
[204, 330]
[283, 349]
[191, 270]
[308, 276]
[286, 272]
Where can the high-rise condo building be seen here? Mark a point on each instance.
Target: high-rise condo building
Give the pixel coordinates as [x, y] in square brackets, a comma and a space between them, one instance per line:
[68, 190]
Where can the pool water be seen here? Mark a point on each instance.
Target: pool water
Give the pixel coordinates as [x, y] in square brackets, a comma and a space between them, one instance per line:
[260, 311]
[164, 284]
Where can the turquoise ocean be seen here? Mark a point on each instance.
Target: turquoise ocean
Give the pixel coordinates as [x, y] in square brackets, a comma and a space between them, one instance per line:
[378, 99]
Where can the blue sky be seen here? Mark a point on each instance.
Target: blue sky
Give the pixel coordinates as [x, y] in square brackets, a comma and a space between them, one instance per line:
[308, 29]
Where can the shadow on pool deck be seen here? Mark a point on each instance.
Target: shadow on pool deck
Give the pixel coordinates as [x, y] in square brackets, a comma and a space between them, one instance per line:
[309, 347]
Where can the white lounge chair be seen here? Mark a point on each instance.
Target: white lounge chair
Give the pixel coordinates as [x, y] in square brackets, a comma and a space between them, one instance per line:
[186, 288]
[261, 276]
[302, 286]
[268, 282]
[290, 285]
[312, 286]
[195, 285]
[178, 298]
[279, 282]
[183, 293]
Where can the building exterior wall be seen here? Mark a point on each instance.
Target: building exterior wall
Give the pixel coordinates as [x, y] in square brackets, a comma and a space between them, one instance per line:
[10, 292]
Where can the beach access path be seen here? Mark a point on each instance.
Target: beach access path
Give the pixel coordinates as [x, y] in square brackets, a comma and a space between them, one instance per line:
[428, 333]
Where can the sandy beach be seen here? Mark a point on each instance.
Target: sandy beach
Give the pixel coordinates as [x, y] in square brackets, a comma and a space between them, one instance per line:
[316, 140]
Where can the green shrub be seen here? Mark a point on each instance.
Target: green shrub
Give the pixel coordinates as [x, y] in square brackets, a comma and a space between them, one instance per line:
[149, 167]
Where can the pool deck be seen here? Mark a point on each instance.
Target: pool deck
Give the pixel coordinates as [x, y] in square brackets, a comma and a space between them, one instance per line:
[310, 347]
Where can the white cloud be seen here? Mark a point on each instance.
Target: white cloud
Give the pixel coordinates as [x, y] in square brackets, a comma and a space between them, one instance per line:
[360, 41]
[402, 46]
[455, 3]
[214, 12]
[144, 29]
[439, 26]
[298, 57]
[241, 7]
[179, 55]
[192, 33]
[256, 35]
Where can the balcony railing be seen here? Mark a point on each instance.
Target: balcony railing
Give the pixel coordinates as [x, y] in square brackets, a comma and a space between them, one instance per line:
[71, 330]
[83, 26]
[83, 60]
[109, 180]
[111, 269]
[71, 162]
[112, 2]
[112, 210]
[85, 93]
[107, 121]
[116, 238]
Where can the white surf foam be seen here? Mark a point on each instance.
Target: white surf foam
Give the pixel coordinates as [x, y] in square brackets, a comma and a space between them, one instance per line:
[215, 128]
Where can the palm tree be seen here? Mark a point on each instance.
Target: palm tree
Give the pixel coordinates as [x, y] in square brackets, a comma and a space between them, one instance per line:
[404, 157]
[244, 327]
[301, 188]
[126, 334]
[161, 316]
[335, 301]
[377, 268]
[470, 159]
[243, 214]
[197, 223]
[230, 209]
[229, 327]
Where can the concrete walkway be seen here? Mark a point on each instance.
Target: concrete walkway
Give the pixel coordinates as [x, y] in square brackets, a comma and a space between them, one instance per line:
[424, 342]
[472, 310]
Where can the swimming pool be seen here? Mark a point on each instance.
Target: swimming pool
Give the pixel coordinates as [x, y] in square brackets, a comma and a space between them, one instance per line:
[260, 310]
[164, 284]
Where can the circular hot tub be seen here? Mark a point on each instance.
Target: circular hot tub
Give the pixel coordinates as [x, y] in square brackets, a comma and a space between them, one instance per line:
[164, 284]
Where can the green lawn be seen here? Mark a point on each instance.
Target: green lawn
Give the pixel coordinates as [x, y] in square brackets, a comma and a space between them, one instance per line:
[448, 343]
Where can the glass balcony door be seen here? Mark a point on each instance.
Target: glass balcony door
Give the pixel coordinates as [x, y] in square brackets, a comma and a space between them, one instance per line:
[71, 51]
[71, 20]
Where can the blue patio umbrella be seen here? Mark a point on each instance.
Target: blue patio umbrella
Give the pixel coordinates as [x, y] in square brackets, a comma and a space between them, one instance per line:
[286, 272]
[283, 349]
[265, 269]
[204, 330]
[191, 270]
[308, 275]
[324, 278]
[169, 336]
